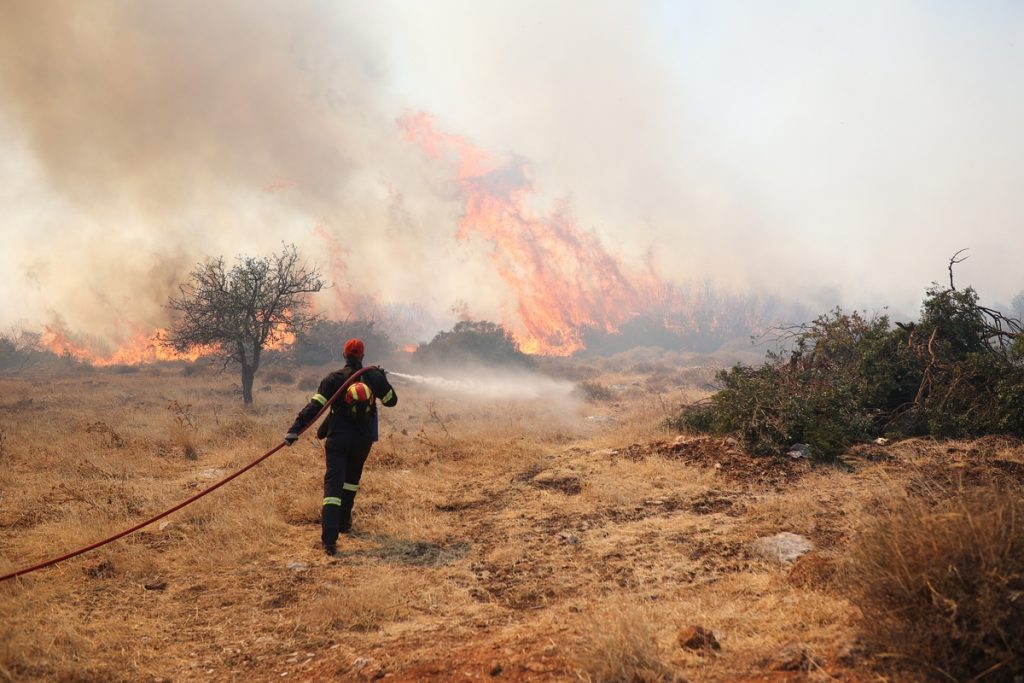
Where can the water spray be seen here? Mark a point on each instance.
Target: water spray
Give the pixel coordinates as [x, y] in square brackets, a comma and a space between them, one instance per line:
[506, 384]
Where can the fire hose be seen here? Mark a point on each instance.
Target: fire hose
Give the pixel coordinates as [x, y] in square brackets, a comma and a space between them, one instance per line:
[210, 489]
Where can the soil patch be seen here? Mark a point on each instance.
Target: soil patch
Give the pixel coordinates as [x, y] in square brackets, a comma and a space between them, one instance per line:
[728, 458]
[418, 553]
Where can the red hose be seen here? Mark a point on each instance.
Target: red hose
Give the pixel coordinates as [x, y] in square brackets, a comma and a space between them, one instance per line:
[214, 487]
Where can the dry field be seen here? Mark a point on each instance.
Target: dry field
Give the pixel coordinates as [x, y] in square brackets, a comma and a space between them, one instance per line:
[552, 539]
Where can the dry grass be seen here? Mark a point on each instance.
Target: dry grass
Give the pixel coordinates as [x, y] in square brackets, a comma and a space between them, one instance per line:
[941, 583]
[365, 601]
[621, 645]
[461, 566]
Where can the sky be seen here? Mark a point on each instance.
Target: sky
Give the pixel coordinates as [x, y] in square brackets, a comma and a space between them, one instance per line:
[836, 153]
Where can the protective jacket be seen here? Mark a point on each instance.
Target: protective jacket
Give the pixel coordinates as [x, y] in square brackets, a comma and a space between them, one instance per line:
[337, 427]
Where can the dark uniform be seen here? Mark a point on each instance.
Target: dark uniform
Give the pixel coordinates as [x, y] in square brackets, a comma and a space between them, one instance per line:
[347, 446]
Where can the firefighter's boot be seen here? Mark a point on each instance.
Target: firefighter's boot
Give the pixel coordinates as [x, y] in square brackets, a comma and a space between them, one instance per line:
[330, 524]
[348, 499]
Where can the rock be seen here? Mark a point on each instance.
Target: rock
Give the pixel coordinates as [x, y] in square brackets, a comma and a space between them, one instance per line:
[799, 450]
[784, 547]
[697, 638]
[566, 481]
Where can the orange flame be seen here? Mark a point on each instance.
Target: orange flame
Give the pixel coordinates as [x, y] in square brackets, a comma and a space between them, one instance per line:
[281, 336]
[140, 347]
[564, 279]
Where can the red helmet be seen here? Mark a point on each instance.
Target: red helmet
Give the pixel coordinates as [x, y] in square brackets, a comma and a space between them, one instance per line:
[354, 348]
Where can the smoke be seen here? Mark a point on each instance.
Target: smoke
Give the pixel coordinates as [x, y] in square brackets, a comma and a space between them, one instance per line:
[494, 384]
[831, 152]
[148, 136]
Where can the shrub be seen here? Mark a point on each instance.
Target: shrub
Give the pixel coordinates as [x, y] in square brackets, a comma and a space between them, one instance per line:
[479, 341]
[595, 391]
[943, 585]
[959, 371]
[184, 429]
[19, 348]
[323, 342]
[279, 376]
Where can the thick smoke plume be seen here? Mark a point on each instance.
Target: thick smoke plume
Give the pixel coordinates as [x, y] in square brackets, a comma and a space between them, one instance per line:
[835, 153]
[151, 135]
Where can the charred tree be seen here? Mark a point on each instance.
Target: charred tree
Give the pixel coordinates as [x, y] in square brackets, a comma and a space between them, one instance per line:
[235, 314]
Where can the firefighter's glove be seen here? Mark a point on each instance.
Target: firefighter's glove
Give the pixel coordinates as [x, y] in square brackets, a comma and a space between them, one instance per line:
[290, 438]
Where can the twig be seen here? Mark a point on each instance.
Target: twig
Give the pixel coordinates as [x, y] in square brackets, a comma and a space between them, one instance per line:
[432, 411]
[953, 260]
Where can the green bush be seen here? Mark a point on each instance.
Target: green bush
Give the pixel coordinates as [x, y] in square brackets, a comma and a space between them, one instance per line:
[473, 341]
[958, 371]
[323, 342]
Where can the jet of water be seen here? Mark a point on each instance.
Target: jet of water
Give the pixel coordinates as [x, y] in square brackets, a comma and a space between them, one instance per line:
[494, 384]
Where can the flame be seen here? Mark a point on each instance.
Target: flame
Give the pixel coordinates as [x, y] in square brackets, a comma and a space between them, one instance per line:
[281, 336]
[138, 348]
[564, 279]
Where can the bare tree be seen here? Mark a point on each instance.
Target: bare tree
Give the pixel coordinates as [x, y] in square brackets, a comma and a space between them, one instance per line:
[236, 313]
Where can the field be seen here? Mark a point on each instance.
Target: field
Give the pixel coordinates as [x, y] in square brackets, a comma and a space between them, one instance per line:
[498, 536]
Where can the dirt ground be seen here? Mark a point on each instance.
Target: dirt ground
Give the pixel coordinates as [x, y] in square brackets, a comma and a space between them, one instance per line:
[551, 538]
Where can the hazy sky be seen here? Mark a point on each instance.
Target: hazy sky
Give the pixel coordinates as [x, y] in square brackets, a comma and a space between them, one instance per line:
[838, 152]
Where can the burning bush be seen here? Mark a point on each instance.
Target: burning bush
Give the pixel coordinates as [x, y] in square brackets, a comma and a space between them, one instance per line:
[479, 341]
[958, 371]
[943, 585]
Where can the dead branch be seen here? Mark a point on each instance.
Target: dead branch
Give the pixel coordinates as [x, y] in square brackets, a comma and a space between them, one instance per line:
[953, 260]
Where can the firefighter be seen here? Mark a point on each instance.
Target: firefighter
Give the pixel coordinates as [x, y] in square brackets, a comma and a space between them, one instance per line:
[350, 430]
